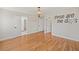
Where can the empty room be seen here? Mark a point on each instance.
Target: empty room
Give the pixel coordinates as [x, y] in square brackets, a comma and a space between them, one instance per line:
[39, 29]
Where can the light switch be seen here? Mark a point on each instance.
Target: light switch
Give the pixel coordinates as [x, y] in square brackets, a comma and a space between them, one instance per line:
[15, 26]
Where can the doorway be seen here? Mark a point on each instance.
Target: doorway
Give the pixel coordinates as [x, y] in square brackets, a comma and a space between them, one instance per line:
[24, 25]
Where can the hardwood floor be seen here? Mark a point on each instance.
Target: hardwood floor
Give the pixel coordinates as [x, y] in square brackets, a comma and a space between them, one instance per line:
[39, 42]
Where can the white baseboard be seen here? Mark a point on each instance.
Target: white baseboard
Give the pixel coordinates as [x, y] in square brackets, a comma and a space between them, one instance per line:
[47, 32]
[61, 36]
[8, 38]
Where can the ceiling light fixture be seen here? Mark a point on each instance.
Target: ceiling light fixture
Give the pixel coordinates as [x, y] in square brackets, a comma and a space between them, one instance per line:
[39, 13]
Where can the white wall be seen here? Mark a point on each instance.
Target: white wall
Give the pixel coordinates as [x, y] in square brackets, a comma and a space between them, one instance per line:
[8, 22]
[11, 19]
[66, 30]
[35, 24]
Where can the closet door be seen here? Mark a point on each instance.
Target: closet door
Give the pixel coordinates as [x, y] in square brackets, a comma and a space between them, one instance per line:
[40, 24]
[47, 28]
[47, 25]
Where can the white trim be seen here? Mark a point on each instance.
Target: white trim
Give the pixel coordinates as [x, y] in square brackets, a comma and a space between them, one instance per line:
[47, 31]
[65, 37]
[8, 38]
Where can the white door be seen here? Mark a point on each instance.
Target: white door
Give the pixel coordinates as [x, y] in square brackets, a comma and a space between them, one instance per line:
[47, 25]
[40, 24]
[24, 25]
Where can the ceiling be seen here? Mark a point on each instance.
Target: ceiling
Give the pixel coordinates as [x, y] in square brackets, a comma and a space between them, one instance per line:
[33, 10]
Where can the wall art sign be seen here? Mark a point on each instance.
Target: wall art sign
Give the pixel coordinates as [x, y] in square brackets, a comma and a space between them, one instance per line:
[68, 18]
